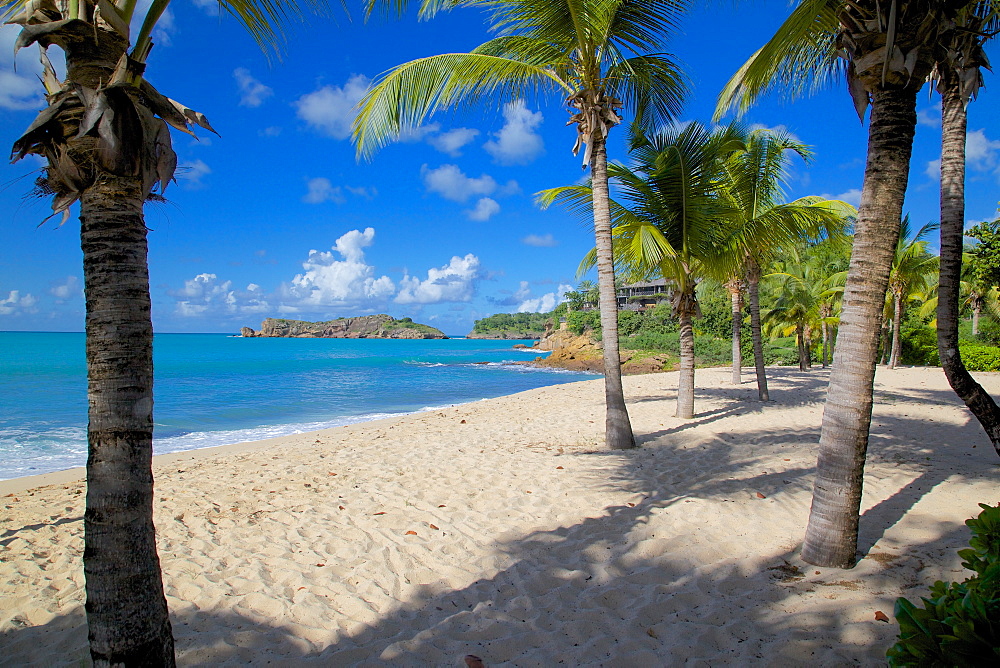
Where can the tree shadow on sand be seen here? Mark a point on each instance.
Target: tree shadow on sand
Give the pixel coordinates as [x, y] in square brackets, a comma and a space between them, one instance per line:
[671, 574]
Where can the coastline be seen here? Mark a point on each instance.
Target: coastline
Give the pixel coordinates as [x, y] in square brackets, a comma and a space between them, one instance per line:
[502, 528]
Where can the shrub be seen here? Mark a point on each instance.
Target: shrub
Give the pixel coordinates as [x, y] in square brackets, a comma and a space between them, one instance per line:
[958, 625]
[666, 342]
[629, 323]
[919, 344]
[980, 358]
[579, 322]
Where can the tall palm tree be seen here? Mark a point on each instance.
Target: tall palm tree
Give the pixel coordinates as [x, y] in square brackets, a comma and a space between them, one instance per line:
[671, 220]
[912, 274]
[601, 55]
[755, 180]
[959, 78]
[105, 138]
[886, 49]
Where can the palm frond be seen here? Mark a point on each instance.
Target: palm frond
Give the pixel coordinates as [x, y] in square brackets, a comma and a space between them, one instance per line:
[406, 95]
[801, 56]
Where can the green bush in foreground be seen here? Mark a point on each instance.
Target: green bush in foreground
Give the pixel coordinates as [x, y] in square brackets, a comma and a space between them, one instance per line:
[960, 624]
[980, 358]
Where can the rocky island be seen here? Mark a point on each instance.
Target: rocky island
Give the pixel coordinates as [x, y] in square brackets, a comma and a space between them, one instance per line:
[379, 326]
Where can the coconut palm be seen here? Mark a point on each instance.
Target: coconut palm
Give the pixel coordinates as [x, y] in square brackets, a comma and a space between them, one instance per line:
[802, 305]
[912, 275]
[755, 181]
[671, 220]
[599, 54]
[959, 78]
[886, 49]
[105, 138]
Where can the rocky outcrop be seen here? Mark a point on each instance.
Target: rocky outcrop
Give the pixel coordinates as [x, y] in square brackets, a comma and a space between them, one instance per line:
[379, 326]
[581, 353]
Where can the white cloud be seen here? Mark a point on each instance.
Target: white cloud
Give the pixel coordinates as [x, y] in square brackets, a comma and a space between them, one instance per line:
[328, 281]
[517, 143]
[933, 169]
[362, 191]
[331, 109]
[321, 190]
[193, 172]
[270, 131]
[451, 183]
[454, 282]
[980, 152]
[252, 92]
[15, 304]
[546, 302]
[931, 117]
[210, 7]
[852, 196]
[67, 290]
[485, 209]
[541, 241]
[412, 135]
[451, 142]
[19, 92]
[205, 295]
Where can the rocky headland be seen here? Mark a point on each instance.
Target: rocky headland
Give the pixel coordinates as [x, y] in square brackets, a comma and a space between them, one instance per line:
[579, 352]
[379, 326]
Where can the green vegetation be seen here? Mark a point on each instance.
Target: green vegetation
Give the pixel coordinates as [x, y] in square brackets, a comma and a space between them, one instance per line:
[957, 625]
[525, 325]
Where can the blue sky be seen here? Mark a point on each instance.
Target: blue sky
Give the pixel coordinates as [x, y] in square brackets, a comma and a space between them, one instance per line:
[277, 218]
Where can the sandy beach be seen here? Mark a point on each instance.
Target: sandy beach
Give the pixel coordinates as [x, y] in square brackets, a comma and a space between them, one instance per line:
[502, 529]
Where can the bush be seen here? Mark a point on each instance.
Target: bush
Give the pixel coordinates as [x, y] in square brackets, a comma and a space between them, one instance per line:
[667, 342]
[958, 625]
[989, 331]
[980, 358]
[629, 323]
[919, 344]
[579, 322]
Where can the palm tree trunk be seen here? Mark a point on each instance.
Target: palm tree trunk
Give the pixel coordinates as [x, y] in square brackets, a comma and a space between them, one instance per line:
[753, 293]
[886, 347]
[685, 379]
[618, 428]
[800, 344]
[953, 129]
[126, 608]
[826, 341]
[832, 533]
[808, 348]
[976, 311]
[736, 298]
[897, 320]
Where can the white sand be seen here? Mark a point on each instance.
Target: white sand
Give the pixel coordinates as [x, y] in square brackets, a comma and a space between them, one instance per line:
[544, 549]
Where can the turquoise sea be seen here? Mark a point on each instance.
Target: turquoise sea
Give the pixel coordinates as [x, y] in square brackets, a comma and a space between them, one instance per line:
[215, 389]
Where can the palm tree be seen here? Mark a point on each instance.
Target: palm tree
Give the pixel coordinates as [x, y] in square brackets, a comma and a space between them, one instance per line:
[886, 49]
[105, 137]
[959, 78]
[913, 269]
[672, 221]
[598, 54]
[802, 305]
[755, 184]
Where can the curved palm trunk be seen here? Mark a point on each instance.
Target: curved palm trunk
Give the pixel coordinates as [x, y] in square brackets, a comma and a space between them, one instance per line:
[126, 608]
[953, 129]
[685, 379]
[897, 321]
[736, 299]
[976, 311]
[618, 428]
[832, 533]
[807, 356]
[753, 294]
[826, 343]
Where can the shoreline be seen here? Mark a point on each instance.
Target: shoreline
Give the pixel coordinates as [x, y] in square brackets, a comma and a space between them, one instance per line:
[502, 528]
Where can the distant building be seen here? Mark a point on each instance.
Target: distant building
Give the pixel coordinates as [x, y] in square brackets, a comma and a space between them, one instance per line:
[639, 296]
[642, 296]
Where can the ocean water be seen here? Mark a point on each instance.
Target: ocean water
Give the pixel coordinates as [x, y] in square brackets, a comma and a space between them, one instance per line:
[215, 389]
